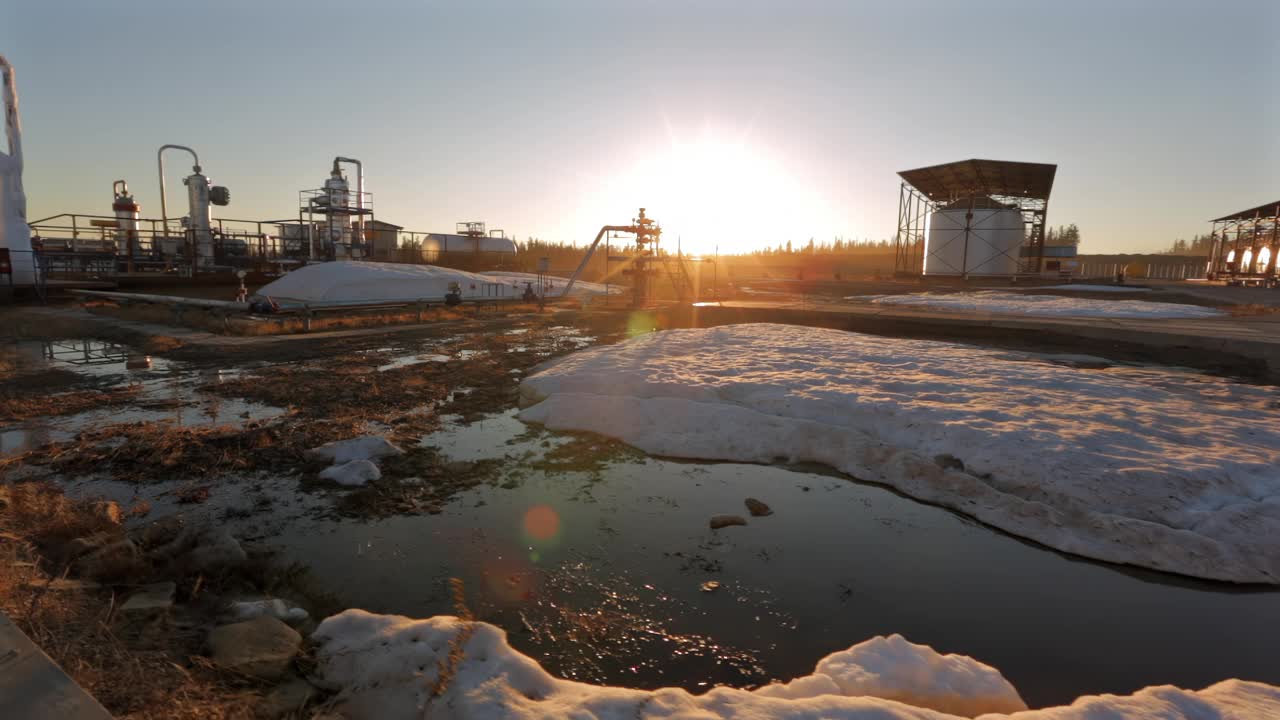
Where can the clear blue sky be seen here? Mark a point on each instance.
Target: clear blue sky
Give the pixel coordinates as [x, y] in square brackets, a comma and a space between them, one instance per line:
[736, 123]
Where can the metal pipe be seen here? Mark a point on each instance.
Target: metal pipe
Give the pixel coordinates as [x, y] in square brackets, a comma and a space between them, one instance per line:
[586, 258]
[164, 205]
[359, 193]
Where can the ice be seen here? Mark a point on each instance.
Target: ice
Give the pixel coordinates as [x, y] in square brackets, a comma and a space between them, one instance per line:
[353, 473]
[366, 447]
[387, 666]
[361, 281]
[1158, 468]
[991, 301]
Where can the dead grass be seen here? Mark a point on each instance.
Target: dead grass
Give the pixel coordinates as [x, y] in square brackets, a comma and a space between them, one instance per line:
[135, 672]
[1253, 309]
[30, 401]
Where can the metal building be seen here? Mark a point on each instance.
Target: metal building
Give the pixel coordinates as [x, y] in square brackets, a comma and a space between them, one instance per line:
[1245, 246]
[973, 218]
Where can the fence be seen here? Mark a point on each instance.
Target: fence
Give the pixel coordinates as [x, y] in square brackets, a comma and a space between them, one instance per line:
[1154, 271]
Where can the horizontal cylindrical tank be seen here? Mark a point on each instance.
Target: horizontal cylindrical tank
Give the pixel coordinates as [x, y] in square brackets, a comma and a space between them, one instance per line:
[978, 237]
[437, 242]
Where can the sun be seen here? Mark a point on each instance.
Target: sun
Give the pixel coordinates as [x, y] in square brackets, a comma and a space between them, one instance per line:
[714, 193]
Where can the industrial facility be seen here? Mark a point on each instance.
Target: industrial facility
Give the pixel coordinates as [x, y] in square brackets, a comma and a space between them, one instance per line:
[1245, 245]
[976, 218]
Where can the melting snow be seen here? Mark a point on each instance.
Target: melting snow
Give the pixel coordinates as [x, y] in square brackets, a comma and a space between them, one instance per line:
[386, 667]
[991, 301]
[1151, 467]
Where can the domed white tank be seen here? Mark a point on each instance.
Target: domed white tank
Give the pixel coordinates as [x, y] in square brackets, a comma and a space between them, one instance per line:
[995, 236]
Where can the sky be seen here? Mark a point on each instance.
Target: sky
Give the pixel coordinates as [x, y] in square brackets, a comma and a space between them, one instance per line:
[737, 124]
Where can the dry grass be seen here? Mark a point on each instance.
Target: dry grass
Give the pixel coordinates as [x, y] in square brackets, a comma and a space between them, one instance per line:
[447, 668]
[134, 671]
[22, 403]
[1253, 309]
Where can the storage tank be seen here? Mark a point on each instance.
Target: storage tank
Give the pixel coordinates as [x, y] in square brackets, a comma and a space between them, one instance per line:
[443, 243]
[15, 235]
[995, 234]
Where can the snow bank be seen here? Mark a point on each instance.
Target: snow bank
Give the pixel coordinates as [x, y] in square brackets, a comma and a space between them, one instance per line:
[1149, 467]
[385, 667]
[991, 301]
[360, 281]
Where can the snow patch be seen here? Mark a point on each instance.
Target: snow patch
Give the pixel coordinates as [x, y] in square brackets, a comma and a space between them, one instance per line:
[1151, 467]
[366, 447]
[354, 473]
[385, 667]
[991, 301]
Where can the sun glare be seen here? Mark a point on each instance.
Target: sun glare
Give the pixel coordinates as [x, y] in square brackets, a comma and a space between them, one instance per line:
[714, 192]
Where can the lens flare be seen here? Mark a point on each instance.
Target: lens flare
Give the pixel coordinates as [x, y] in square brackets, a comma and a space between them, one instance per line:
[541, 523]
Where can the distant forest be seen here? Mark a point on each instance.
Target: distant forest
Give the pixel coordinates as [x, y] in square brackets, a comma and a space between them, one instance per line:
[811, 258]
[1198, 245]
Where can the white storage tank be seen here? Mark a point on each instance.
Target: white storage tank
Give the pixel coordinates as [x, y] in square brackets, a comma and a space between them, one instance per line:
[996, 233]
[443, 243]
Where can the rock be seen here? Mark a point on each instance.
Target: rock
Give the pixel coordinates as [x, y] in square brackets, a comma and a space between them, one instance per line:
[156, 597]
[710, 586]
[757, 508]
[289, 698]
[262, 647]
[89, 543]
[108, 510]
[158, 532]
[367, 447]
[216, 550]
[352, 474]
[949, 462]
[110, 562]
[720, 521]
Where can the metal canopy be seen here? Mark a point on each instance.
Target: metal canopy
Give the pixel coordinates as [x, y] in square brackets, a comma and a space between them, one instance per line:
[1271, 209]
[967, 178]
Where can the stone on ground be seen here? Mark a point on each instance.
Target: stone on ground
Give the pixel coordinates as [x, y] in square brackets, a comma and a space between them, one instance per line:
[721, 521]
[262, 647]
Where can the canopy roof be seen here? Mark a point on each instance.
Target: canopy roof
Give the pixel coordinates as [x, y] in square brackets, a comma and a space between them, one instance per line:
[1271, 209]
[982, 177]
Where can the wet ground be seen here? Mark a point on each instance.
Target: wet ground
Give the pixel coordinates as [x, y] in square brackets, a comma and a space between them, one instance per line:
[599, 562]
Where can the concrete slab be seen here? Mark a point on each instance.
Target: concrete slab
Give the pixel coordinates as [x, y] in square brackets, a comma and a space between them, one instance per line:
[33, 687]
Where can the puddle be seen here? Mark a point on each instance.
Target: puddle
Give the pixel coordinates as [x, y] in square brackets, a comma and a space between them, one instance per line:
[596, 564]
[599, 574]
[167, 391]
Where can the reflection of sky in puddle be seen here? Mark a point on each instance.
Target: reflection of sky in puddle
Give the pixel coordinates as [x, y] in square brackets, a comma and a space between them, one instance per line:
[550, 555]
[167, 392]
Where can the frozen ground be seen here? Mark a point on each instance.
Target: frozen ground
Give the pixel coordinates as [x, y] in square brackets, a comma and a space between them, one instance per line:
[992, 301]
[378, 282]
[390, 667]
[1152, 467]
[1083, 287]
